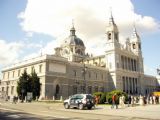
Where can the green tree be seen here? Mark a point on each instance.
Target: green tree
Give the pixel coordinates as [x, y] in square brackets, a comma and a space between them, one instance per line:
[35, 84]
[22, 85]
[28, 83]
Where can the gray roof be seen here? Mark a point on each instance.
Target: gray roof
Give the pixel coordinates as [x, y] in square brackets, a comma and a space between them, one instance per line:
[73, 40]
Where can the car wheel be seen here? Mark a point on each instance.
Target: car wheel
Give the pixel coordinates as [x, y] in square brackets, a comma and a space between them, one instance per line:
[66, 106]
[80, 106]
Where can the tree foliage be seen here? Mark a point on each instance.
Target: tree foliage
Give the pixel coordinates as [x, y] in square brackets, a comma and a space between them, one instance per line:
[118, 93]
[28, 83]
[35, 85]
[22, 85]
[102, 96]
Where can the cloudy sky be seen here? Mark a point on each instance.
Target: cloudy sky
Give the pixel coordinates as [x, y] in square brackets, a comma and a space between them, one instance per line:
[31, 27]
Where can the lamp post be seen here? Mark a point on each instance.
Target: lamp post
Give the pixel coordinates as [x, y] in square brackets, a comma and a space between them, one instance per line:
[158, 71]
[22, 91]
[84, 70]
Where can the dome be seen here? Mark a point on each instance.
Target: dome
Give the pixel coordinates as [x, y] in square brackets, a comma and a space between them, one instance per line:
[73, 39]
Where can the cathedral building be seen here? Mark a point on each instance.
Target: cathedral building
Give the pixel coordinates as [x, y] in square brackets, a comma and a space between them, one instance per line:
[70, 70]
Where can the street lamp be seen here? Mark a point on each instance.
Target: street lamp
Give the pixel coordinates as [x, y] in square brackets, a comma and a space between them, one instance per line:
[158, 71]
[22, 91]
[84, 70]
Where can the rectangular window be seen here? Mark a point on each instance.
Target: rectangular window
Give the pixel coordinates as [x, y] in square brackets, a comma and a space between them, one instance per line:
[2, 88]
[7, 90]
[40, 68]
[19, 72]
[13, 74]
[3, 75]
[75, 73]
[32, 69]
[8, 74]
[12, 90]
[96, 75]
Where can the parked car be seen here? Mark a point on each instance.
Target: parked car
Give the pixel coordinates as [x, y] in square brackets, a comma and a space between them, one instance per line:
[80, 101]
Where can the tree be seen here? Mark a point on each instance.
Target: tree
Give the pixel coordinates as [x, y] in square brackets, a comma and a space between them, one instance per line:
[35, 84]
[22, 85]
[28, 83]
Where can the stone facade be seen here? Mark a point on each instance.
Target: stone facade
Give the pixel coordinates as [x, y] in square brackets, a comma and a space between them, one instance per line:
[58, 77]
[72, 71]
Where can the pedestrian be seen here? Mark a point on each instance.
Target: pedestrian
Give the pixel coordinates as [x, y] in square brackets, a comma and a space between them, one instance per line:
[129, 100]
[141, 100]
[114, 101]
[96, 100]
[123, 101]
[132, 101]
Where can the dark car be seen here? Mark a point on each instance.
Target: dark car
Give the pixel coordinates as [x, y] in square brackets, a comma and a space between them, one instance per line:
[80, 101]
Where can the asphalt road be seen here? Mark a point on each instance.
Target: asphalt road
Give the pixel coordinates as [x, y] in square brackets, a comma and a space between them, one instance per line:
[56, 111]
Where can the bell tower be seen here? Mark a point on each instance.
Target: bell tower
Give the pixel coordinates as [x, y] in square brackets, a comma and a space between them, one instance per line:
[112, 45]
[112, 34]
[136, 48]
[112, 55]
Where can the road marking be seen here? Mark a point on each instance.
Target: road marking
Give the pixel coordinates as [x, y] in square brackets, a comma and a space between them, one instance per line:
[13, 116]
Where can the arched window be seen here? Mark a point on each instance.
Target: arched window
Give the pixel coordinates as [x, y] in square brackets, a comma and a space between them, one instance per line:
[109, 36]
[57, 89]
[134, 46]
[78, 51]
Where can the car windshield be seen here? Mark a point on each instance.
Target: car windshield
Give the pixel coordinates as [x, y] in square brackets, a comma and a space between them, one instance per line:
[89, 97]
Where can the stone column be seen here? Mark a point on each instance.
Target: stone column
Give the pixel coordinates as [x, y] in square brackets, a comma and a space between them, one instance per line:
[127, 84]
[134, 85]
[130, 85]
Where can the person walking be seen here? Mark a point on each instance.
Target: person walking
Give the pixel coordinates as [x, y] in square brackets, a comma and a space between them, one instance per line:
[96, 100]
[114, 102]
[129, 100]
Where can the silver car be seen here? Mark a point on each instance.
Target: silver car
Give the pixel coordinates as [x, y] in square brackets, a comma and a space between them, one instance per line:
[80, 101]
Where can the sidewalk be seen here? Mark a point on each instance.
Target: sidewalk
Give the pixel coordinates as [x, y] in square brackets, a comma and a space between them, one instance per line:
[148, 111]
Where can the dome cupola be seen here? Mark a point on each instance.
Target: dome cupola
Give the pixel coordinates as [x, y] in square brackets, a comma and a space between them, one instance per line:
[72, 39]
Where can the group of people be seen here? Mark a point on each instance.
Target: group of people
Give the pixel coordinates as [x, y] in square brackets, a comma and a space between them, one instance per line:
[134, 100]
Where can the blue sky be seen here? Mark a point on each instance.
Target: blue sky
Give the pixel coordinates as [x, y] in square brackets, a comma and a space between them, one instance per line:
[151, 42]
[30, 27]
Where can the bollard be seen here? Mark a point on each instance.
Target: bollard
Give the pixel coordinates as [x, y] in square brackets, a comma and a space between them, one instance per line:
[61, 98]
[53, 98]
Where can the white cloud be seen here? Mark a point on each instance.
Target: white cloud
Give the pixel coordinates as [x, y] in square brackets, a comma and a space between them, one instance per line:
[9, 52]
[54, 17]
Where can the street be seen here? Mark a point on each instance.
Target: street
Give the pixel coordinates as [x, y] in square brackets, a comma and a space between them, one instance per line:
[56, 111]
